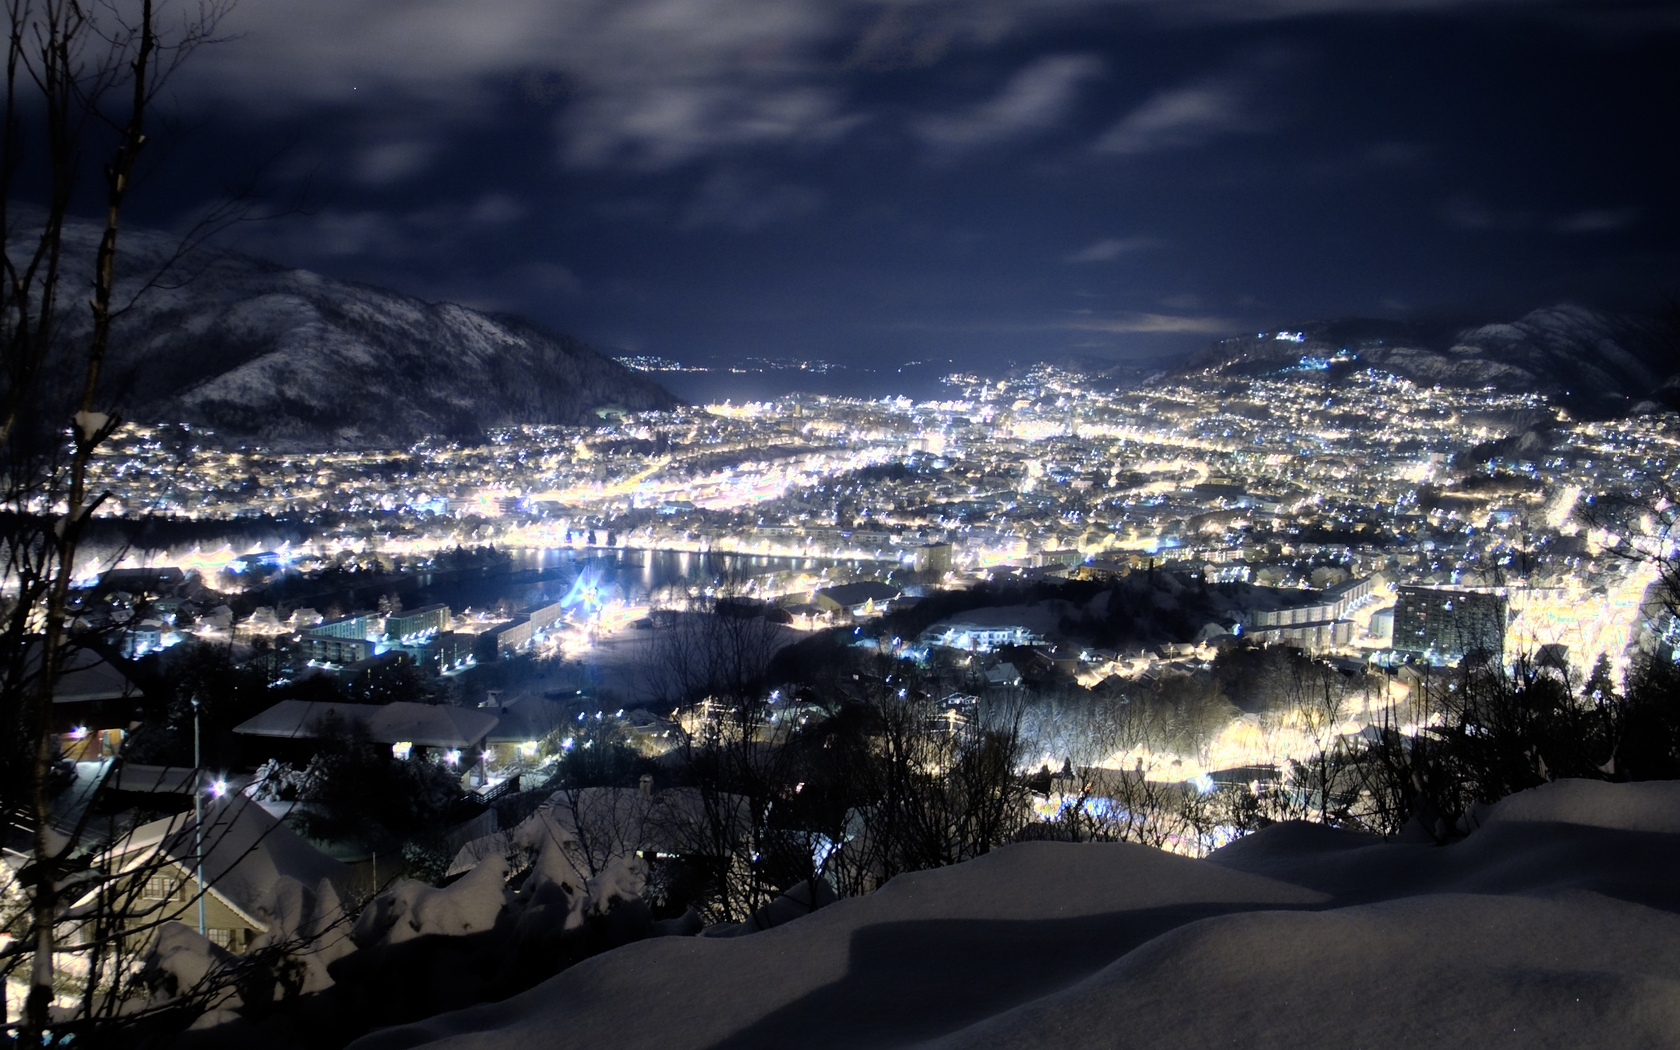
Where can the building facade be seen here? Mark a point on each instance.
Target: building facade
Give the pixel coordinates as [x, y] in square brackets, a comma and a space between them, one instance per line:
[418, 623]
[1447, 625]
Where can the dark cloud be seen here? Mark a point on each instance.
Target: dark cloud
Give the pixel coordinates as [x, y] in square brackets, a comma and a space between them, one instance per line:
[1034, 99]
[886, 177]
[381, 163]
[1153, 323]
[1596, 220]
[745, 202]
[1193, 114]
[1110, 248]
[899, 39]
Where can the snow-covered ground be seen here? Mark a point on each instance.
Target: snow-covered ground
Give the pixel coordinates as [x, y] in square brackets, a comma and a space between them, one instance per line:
[1553, 924]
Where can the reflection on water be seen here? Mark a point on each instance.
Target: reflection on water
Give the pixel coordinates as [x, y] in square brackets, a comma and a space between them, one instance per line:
[536, 577]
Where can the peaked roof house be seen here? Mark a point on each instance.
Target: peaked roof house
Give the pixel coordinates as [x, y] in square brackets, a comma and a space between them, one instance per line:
[864, 598]
[248, 856]
[421, 725]
[93, 700]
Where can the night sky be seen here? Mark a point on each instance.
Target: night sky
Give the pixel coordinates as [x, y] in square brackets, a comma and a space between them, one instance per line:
[884, 180]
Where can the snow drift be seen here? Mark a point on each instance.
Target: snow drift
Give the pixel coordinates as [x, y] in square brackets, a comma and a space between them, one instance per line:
[1552, 924]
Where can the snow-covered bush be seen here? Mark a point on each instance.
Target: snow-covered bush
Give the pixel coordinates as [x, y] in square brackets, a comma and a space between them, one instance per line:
[277, 781]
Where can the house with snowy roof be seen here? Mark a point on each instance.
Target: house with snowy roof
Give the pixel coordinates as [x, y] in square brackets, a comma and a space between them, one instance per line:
[246, 856]
[864, 598]
[1004, 675]
[523, 721]
[418, 726]
[93, 700]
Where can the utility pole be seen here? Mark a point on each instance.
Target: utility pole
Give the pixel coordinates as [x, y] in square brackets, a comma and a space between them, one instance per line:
[198, 813]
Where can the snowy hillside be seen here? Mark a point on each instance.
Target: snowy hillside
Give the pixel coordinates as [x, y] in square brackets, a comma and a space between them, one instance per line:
[1596, 363]
[1553, 924]
[254, 350]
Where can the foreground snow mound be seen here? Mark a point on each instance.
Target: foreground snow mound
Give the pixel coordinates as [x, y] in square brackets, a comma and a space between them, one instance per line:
[1553, 925]
[1653, 807]
[1459, 971]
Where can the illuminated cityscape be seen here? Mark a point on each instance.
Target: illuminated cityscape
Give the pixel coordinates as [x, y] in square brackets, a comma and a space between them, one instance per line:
[1284, 483]
[839, 524]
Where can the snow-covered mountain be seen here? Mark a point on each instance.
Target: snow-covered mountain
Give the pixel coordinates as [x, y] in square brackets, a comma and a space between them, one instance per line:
[1553, 924]
[1595, 363]
[255, 350]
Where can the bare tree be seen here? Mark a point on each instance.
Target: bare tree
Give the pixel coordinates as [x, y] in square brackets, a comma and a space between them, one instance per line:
[708, 664]
[715, 646]
[928, 785]
[1105, 792]
[82, 80]
[1316, 701]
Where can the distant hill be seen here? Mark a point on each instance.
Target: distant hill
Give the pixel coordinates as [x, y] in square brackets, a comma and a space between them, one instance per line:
[257, 351]
[1594, 363]
[1121, 374]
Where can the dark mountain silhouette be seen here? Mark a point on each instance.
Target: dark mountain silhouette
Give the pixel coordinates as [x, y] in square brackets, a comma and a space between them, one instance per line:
[1594, 363]
[257, 351]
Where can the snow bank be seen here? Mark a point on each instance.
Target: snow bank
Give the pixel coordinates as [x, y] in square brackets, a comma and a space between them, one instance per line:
[308, 923]
[1553, 925]
[948, 943]
[800, 900]
[413, 909]
[1655, 807]
[179, 959]
[314, 924]
[1461, 971]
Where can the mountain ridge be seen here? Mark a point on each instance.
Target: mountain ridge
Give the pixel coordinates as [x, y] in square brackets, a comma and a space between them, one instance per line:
[1596, 364]
[254, 350]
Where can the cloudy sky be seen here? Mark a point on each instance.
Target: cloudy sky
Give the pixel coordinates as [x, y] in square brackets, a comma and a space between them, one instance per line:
[881, 180]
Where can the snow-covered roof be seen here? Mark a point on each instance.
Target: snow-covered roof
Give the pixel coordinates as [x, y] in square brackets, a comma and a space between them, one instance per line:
[615, 823]
[84, 675]
[1557, 923]
[297, 719]
[527, 717]
[1043, 618]
[430, 725]
[847, 595]
[246, 853]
